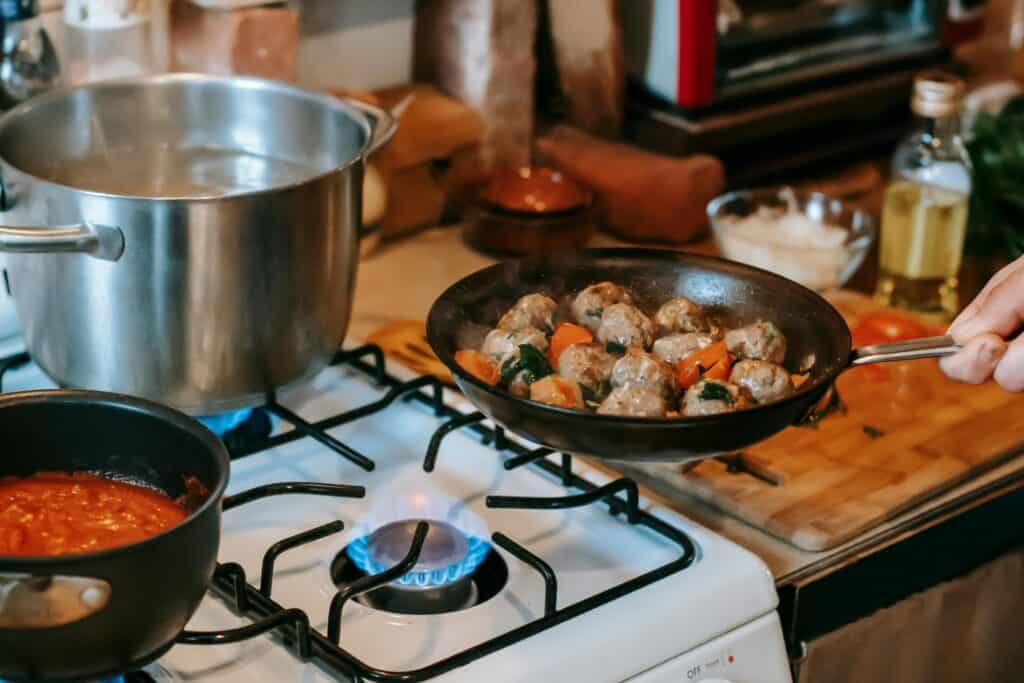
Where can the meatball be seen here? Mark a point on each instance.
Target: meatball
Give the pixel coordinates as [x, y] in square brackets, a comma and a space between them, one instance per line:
[645, 371]
[503, 345]
[765, 381]
[589, 305]
[681, 315]
[532, 310]
[760, 341]
[711, 397]
[625, 325]
[557, 391]
[589, 365]
[676, 347]
[633, 402]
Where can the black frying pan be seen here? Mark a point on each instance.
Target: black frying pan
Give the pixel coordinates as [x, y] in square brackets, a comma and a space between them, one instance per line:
[818, 342]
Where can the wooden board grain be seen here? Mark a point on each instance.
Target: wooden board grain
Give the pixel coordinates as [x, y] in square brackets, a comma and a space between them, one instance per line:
[907, 434]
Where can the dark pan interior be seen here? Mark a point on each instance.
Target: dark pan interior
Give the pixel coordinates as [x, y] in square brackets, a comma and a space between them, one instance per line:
[817, 335]
[117, 441]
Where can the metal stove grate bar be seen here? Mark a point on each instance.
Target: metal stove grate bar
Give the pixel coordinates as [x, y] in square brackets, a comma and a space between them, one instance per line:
[300, 539]
[368, 583]
[318, 430]
[306, 429]
[12, 363]
[542, 567]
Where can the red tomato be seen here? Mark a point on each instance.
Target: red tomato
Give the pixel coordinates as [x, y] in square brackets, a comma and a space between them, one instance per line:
[876, 328]
[880, 328]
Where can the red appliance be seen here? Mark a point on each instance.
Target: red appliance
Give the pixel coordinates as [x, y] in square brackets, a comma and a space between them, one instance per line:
[697, 53]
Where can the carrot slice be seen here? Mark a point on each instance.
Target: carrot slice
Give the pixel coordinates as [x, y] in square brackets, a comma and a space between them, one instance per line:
[689, 369]
[720, 370]
[478, 365]
[565, 336]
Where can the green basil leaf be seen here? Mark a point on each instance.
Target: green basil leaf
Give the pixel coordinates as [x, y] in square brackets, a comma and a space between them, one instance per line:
[534, 362]
[509, 370]
[713, 391]
[615, 347]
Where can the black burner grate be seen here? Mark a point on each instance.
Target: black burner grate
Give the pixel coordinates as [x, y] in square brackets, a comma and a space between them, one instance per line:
[231, 584]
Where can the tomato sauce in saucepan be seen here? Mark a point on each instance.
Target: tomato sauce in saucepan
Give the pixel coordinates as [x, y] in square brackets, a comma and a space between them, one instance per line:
[62, 514]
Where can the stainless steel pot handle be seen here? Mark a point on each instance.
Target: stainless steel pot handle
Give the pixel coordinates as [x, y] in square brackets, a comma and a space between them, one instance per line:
[382, 123]
[101, 241]
[28, 601]
[927, 347]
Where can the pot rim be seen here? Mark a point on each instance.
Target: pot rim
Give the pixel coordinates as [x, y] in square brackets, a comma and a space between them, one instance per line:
[215, 446]
[27, 109]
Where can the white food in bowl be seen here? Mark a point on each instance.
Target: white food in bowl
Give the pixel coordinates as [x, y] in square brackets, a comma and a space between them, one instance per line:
[788, 243]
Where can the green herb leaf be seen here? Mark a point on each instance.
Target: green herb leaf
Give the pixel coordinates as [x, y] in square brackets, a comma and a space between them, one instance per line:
[615, 347]
[595, 312]
[509, 370]
[873, 432]
[713, 391]
[996, 217]
[534, 363]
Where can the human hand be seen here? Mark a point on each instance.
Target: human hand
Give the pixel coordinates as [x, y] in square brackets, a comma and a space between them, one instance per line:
[985, 330]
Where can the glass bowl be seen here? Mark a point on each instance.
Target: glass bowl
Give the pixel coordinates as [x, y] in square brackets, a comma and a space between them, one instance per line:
[816, 240]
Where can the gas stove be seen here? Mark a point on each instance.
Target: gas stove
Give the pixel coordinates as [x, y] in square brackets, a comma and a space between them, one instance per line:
[457, 553]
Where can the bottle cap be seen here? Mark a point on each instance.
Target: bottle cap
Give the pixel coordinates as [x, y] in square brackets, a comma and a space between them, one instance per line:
[937, 93]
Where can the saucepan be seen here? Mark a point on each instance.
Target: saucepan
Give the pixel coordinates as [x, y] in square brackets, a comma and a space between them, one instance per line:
[97, 614]
[91, 616]
[184, 238]
[819, 343]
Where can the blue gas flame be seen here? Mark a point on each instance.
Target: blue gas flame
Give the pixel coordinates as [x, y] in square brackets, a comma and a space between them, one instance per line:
[358, 551]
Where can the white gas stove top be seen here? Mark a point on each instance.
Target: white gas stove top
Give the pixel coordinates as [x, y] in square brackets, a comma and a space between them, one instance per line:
[712, 619]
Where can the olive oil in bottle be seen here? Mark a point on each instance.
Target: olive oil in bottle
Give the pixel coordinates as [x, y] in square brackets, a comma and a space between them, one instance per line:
[924, 216]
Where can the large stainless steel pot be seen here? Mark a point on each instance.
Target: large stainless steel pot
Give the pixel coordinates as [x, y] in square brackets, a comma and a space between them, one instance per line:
[203, 301]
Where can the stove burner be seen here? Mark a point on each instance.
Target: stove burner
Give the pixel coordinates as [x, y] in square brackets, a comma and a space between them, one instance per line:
[226, 422]
[447, 556]
[442, 580]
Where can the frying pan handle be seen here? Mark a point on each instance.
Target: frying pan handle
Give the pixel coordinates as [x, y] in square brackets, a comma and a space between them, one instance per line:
[101, 241]
[927, 347]
[28, 601]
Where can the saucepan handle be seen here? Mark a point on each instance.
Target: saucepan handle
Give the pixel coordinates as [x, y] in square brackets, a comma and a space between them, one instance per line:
[927, 347]
[383, 124]
[30, 601]
[100, 241]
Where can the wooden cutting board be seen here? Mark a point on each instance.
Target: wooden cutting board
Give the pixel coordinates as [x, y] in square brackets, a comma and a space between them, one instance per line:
[907, 434]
